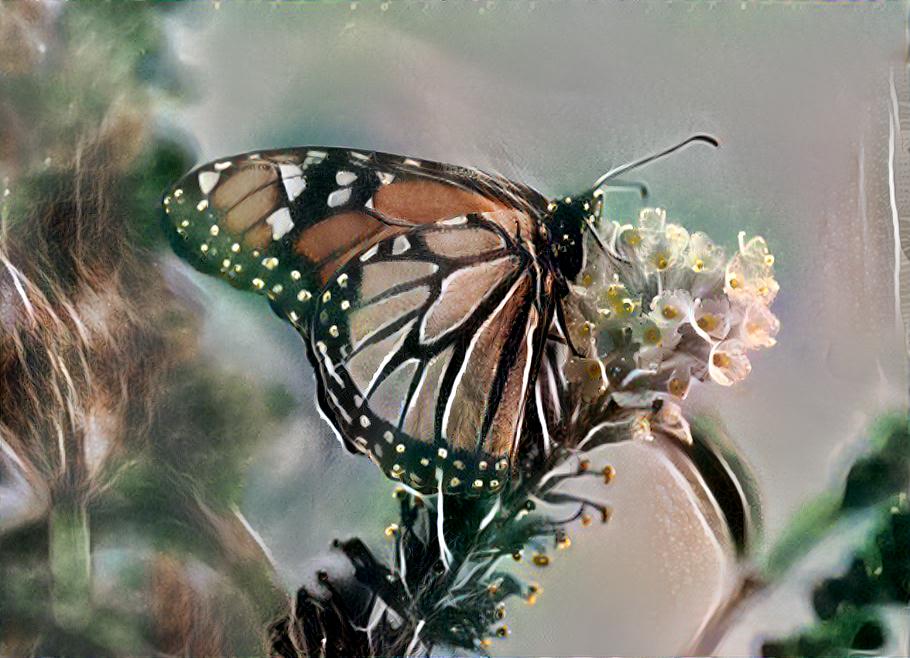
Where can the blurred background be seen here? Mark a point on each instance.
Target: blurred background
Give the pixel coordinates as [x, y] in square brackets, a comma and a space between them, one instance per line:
[801, 96]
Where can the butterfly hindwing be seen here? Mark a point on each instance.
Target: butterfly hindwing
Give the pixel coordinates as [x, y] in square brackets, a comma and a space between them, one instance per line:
[414, 283]
[426, 343]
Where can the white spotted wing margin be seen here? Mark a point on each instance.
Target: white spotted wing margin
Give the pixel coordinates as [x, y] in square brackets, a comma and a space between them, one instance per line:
[426, 346]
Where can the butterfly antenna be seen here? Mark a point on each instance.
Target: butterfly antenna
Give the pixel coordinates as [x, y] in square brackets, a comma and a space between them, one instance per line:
[707, 139]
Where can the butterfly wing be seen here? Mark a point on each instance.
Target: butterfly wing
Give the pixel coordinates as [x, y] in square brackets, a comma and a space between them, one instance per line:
[282, 222]
[427, 344]
[414, 283]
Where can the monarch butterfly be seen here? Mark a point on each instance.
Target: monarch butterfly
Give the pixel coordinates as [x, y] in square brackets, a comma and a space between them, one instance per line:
[426, 294]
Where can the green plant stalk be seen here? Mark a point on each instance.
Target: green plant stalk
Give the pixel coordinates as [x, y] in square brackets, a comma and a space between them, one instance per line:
[70, 563]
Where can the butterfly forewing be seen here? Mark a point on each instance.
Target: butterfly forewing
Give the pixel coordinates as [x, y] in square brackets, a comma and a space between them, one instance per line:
[416, 285]
[282, 222]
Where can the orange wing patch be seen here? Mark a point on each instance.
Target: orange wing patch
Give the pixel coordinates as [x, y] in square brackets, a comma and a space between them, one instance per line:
[423, 202]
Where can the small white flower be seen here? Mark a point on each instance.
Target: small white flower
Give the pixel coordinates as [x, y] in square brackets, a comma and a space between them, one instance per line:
[671, 308]
[712, 318]
[759, 327]
[679, 382]
[589, 375]
[678, 237]
[728, 362]
[616, 304]
[648, 333]
[703, 255]
[749, 275]
[653, 244]
[745, 284]
[650, 358]
[652, 220]
[661, 251]
[669, 420]
[755, 250]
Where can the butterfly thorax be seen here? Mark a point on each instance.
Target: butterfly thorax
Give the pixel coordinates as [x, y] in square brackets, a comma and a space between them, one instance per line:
[565, 223]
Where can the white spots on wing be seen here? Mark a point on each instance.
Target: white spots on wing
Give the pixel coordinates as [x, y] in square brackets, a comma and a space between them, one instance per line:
[202, 205]
[369, 253]
[339, 197]
[365, 366]
[293, 180]
[461, 293]
[359, 156]
[289, 170]
[317, 155]
[384, 177]
[377, 278]
[369, 203]
[208, 180]
[400, 245]
[345, 177]
[281, 223]
[221, 166]
[455, 221]
[387, 401]
[412, 162]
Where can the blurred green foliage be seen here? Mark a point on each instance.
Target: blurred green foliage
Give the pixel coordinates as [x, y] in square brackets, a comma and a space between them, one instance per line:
[848, 606]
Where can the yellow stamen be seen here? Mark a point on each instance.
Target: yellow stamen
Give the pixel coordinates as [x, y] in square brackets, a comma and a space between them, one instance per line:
[677, 387]
[541, 560]
[593, 371]
[652, 335]
[708, 322]
[632, 238]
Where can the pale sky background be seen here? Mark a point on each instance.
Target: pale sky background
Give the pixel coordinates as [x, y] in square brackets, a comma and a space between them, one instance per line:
[553, 94]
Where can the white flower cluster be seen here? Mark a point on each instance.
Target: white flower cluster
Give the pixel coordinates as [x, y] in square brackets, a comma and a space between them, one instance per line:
[664, 307]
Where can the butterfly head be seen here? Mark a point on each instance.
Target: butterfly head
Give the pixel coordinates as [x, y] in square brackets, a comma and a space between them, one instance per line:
[567, 221]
